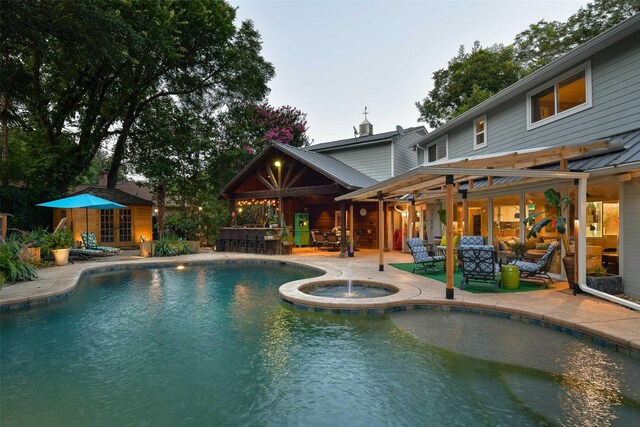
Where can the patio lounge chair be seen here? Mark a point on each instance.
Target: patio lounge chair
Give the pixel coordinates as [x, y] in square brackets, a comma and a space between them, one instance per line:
[540, 268]
[479, 263]
[423, 259]
[92, 243]
[86, 254]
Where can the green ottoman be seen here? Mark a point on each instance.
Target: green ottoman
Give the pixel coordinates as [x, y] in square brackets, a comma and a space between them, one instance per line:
[510, 277]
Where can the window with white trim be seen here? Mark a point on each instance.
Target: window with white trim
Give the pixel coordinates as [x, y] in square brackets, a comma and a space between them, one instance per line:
[437, 150]
[480, 132]
[568, 94]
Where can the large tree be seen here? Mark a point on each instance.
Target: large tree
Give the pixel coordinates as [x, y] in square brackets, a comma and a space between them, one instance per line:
[245, 130]
[170, 145]
[470, 78]
[92, 67]
[544, 41]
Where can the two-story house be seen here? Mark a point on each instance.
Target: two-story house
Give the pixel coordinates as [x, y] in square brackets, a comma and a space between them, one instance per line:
[579, 113]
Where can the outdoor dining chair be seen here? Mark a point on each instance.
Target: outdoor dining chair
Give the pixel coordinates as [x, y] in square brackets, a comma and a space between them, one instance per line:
[332, 242]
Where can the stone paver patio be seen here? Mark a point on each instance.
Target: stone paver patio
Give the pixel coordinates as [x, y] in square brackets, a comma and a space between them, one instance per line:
[555, 305]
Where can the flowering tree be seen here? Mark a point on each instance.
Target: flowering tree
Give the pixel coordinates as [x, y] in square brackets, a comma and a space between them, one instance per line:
[245, 130]
[287, 125]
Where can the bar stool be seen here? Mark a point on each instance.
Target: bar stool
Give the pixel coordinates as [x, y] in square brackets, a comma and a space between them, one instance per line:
[251, 241]
[242, 240]
[233, 239]
[262, 243]
[224, 239]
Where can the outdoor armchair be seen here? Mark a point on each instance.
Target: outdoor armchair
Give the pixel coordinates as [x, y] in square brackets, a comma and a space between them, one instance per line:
[423, 259]
[479, 263]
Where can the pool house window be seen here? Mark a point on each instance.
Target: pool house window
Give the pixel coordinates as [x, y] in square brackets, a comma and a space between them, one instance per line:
[124, 225]
[566, 95]
[107, 226]
[480, 132]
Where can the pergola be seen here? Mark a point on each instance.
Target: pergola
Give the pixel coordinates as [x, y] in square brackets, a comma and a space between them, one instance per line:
[440, 180]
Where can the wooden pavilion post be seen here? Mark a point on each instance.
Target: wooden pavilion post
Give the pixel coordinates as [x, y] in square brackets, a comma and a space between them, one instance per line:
[465, 213]
[411, 219]
[343, 229]
[449, 233]
[352, 232]
[421, 219]
[380, 232]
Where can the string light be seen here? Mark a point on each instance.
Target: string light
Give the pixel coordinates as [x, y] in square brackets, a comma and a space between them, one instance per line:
[253, 202]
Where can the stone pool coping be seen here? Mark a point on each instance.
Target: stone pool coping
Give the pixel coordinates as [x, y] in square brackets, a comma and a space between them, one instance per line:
[555, 306]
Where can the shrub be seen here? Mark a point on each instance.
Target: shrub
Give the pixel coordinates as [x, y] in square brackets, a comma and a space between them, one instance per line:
[60, 240]
[13, 268]
[171, 247]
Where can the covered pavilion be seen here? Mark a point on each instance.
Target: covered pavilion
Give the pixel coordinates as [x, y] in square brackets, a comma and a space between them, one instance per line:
[517, 170]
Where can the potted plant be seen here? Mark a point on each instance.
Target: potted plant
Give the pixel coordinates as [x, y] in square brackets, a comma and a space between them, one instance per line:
[519, 249]
[599, 279]
[287, 240]
[59, 244]
[33, 242]
[554, 217]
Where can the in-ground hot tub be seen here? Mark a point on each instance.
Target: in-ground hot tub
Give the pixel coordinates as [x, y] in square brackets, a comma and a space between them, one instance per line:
[349, 289]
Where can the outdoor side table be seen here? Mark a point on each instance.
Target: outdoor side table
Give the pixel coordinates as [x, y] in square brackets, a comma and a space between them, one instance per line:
[510, 277]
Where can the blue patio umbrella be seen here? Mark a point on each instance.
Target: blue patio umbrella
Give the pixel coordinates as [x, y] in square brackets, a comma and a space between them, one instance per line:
[86, 201]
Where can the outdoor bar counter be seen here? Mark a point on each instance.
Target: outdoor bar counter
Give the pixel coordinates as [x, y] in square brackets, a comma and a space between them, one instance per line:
[260, 240]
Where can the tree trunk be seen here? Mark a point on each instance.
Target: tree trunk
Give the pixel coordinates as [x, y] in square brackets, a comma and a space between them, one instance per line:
[160, 199]
[118, 151]
[5, 139]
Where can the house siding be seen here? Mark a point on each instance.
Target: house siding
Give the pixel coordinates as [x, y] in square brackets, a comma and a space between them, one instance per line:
[615, 109]
[373, 160]
[630, 218]
[405, 157]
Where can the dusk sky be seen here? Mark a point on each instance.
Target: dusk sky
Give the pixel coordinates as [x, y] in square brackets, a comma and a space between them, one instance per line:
[333, 58]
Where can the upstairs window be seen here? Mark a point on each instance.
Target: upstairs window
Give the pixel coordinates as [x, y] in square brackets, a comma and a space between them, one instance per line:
[566, 95]
[437, 150]
[480, 132]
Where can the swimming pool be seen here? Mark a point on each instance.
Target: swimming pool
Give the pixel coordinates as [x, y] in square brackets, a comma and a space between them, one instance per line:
[214, 345]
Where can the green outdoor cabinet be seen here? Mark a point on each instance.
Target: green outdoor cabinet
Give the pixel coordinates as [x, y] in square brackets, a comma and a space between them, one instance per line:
[301, 229]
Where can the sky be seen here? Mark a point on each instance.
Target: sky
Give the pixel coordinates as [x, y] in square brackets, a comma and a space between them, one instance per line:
[333, 58]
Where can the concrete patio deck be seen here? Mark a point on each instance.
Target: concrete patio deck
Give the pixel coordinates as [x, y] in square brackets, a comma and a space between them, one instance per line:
[556, 305]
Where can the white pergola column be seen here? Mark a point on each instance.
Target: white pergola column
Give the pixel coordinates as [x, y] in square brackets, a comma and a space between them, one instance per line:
[523, 214]
[582, 231]
[490, 225]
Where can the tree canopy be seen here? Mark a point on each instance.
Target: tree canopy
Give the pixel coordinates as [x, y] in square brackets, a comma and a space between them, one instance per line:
[89, 69]
[470, 78]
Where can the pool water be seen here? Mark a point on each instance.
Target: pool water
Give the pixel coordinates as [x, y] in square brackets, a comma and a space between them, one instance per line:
[215, 345]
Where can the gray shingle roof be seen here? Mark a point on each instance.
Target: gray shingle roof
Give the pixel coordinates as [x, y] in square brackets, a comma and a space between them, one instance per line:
[114, 195]
[364, 139]
[333, 168]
